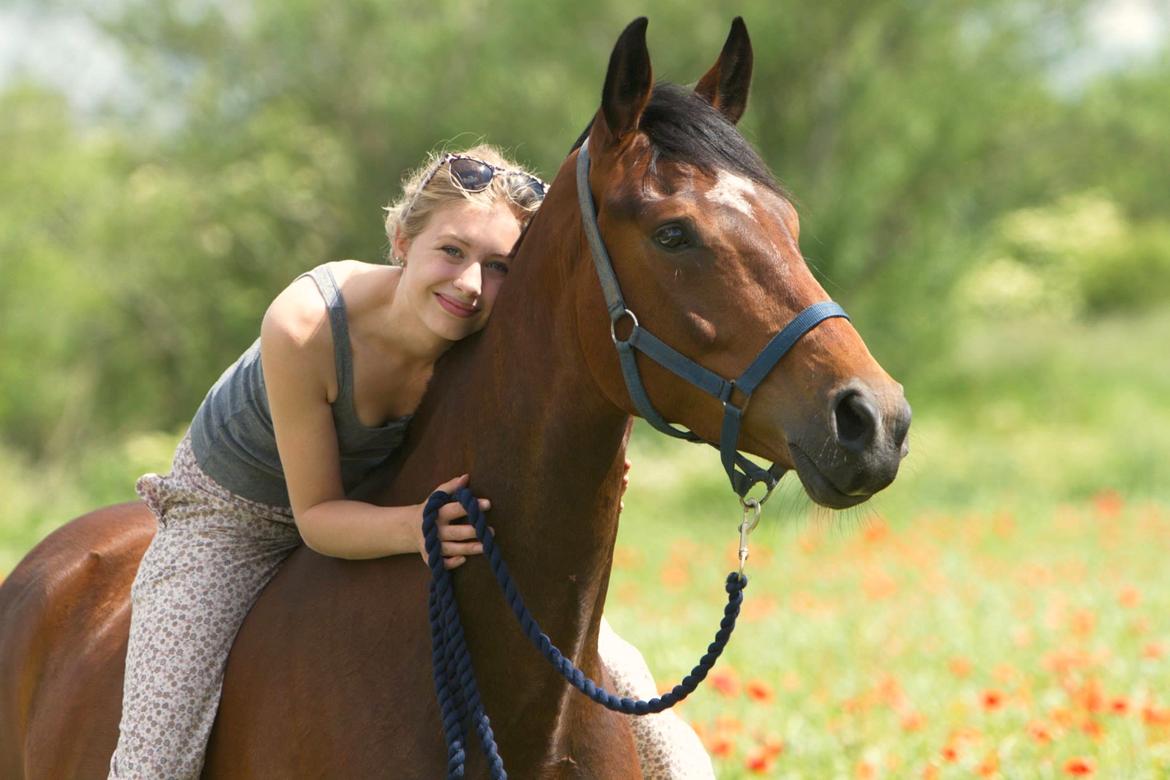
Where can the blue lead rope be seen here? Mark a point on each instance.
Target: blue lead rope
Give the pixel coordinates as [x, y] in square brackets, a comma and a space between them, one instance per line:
[455, 684]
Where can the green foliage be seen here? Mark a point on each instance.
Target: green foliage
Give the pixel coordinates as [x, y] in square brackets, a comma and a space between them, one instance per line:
[1133, 273]
[1075, 257]
[40, 496]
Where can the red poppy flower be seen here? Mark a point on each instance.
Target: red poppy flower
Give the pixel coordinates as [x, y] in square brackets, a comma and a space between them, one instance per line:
[721, 746]
[992, 700]
[913, 721]
[760, 691]
[960, 667]
[1040, 731]
[989, 766]
[759, 762]
[726, 682]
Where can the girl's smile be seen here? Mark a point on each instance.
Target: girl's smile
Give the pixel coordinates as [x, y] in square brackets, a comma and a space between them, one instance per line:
[456, 308]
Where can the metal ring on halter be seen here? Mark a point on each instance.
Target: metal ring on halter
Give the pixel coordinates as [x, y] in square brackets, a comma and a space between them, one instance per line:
[615, 320]
[763, 499]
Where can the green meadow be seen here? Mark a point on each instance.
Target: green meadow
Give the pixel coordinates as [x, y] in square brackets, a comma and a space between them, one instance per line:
[1000, 611]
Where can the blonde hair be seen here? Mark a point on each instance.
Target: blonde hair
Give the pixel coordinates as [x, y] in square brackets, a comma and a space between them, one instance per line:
[410, 214]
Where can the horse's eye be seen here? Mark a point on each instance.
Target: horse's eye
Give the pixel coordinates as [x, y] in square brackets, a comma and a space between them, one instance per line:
[672, 236]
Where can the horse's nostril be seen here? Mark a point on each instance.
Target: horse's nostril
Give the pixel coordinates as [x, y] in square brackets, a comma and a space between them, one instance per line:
[901, 425]
[856, 420]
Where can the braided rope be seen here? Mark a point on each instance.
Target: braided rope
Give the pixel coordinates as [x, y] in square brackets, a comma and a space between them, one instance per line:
[455, 685]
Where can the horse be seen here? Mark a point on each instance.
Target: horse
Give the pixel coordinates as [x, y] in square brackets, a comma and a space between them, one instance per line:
[330, 674]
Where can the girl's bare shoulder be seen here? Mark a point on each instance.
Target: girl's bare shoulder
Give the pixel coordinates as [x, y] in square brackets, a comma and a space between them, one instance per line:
[297, 314]
[365, 287]
[296, 338]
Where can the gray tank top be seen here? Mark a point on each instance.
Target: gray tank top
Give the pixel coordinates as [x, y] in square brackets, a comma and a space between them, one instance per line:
[232, 438]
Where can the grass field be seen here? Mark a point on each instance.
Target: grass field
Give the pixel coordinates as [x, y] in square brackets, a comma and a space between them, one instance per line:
[1001, 611]
[989, 643]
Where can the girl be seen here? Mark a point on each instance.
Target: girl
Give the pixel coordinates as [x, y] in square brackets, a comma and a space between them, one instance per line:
[322, 398]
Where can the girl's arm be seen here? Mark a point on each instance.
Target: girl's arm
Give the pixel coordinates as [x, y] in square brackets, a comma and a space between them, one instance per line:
[296, 354]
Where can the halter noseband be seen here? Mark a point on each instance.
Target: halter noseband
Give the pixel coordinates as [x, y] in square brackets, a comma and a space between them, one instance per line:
[742, 472]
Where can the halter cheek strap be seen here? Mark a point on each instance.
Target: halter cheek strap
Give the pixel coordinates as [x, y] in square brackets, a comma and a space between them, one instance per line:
[743, 473]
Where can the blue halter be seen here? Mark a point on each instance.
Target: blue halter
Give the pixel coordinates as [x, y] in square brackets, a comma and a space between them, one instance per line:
[742, 472]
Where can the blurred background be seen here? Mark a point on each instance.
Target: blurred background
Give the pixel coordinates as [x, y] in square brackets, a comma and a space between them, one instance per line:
[982, 184]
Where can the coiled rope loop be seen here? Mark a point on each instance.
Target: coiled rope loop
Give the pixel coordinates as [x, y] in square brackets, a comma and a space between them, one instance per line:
[455, 685]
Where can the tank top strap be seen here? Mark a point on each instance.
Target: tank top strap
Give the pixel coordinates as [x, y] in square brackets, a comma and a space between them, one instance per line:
[339, 325]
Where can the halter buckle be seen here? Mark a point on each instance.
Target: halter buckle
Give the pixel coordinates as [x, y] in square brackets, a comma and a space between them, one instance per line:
[746, 502]
[615, 320]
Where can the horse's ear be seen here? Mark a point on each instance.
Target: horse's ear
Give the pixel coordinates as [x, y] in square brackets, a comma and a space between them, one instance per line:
[726, 85]
[627, 82]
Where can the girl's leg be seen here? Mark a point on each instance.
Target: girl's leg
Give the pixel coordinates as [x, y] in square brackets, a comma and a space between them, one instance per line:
[667, 746]
[197, 581]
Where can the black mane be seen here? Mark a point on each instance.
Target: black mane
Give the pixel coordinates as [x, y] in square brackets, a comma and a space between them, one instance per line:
[684, 127]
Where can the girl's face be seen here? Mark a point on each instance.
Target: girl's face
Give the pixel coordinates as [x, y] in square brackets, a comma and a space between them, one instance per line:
[455, 266]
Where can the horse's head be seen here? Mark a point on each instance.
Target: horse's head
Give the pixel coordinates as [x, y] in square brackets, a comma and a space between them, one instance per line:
[705, 245]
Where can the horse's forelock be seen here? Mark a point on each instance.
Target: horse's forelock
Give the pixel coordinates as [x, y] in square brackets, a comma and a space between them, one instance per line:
[683, 127]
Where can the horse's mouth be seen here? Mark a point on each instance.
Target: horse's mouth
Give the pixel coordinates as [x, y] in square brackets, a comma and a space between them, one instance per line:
[818, 486]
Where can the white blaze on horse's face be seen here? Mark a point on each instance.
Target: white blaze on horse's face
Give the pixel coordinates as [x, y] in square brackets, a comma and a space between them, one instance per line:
[761, 206]
[734, 192]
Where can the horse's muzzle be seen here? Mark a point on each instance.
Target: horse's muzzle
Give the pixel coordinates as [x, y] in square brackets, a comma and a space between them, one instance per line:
[859, 453]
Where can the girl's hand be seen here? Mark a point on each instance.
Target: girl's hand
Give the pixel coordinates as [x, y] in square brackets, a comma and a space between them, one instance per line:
[456, 540]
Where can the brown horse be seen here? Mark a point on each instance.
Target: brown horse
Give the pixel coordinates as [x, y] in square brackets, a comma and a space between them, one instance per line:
[330, 675]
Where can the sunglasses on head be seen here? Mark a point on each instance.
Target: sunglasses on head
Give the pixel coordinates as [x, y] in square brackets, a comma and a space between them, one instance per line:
[474, 175]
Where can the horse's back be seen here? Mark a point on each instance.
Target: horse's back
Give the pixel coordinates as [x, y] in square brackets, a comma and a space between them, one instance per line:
[64, 621]
[318, 684]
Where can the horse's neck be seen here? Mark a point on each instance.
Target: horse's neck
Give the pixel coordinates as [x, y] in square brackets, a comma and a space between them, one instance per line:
[547, 450]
